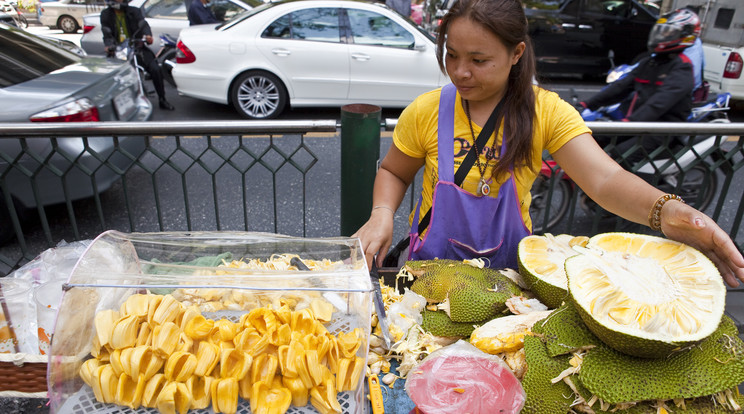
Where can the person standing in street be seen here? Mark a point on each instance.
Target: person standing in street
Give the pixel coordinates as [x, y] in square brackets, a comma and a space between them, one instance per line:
[200, 13]
[496, 123]
[120, 22]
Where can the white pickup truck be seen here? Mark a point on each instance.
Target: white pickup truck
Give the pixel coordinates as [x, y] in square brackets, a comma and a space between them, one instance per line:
[723, 43]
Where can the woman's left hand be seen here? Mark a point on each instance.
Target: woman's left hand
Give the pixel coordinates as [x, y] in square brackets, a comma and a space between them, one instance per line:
[685, 224]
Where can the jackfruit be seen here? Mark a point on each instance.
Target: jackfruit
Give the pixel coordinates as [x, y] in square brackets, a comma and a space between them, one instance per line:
[474, 298]
[439, 324]
[438, 280]
[646, 296]
[540, 260]
[544, 397]
[505, 334]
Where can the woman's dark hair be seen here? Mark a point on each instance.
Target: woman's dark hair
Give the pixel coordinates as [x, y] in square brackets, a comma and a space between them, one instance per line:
[506, 20]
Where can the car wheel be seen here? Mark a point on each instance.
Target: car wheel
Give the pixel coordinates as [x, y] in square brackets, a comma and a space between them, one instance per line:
[258, 95]
[67, 24]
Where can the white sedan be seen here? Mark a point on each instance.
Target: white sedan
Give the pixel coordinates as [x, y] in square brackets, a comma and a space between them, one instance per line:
[305, 54]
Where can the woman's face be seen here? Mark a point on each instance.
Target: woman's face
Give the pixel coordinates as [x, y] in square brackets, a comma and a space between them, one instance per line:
[477, 61]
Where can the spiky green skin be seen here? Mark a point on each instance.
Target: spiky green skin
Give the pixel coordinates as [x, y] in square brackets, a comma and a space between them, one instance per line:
[543, 397]
[471, 299]
[549, 294]
[439, 324]
[716, 364]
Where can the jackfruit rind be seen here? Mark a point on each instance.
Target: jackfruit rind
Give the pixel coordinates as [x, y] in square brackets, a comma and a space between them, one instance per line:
[540, 260]
[419, 267]
[564, 331]
[714, 365]
[471, 298]
[544, 397]
[646, 296]
[439, 324]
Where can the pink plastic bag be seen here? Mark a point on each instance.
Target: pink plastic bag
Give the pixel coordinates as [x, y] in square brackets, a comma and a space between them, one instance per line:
[460, 378]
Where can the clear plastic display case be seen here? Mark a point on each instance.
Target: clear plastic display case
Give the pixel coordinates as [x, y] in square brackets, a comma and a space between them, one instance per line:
[255, 282]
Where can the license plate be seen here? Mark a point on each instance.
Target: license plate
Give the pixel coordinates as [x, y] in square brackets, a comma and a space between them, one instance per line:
[124, 104]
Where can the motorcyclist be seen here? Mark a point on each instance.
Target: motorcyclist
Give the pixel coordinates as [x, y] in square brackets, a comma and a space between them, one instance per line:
[119, 22]
[659, 88]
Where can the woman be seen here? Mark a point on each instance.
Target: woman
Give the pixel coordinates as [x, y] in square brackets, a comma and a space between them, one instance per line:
[484, 48]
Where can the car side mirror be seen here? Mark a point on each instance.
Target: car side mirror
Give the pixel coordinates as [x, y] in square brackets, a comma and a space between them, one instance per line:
[419, 47]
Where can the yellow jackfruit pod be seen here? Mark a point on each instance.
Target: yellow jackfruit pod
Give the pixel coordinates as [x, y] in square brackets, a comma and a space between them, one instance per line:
[144, 335]
[303, 321]
[129, 391]
[115, 362]
[333, 356]
[125, 332]
[264, 368]
[180, 366]
[224, 395]
[348, 343]
[245, 386]
[320, 329]
[104, 322]
[175, 397]
[226, 329]
[108, 383]
[288, 356]
[298, 390]
[198, 327]
[201, 391]
[308, 368]
[322, 309]
[88, 370]
[266, 399]
[349, 373]
[165, 339]
[95, 381]
[250, 341]
[141, 361]
[152, 389]
[207, 357]
[95, 347]
[167, 310]
[281, 336]
[184, 343]
[235, 363]
[284, 314]
[263, 319]
[323, 345]
[225, 345]
[323, 398]
[137, 304]
[187, 314]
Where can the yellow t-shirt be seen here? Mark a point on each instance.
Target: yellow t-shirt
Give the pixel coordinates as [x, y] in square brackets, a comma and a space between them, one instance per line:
[556, 123]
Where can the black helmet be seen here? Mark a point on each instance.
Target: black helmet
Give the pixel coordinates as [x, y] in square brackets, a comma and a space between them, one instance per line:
[674, 31]
[115, 4]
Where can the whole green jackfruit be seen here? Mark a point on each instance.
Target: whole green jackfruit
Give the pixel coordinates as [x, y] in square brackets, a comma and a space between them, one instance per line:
[471, 299]
[439, 324]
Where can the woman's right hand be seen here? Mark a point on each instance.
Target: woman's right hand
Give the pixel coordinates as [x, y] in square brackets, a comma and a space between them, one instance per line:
[376, 234]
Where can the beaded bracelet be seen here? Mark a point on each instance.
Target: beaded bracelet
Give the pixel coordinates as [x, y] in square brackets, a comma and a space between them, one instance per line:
[654, 216]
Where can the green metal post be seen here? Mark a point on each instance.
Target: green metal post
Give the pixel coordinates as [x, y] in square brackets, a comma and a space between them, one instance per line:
[360, 158]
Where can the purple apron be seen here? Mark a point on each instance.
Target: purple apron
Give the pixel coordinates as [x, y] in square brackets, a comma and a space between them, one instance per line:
[463, 225]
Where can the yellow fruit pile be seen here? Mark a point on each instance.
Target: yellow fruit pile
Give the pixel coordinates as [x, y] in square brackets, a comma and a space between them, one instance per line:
[154, 352]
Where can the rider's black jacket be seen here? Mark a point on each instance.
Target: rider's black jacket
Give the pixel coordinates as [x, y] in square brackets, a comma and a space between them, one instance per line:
[136, 25]
[658, 89]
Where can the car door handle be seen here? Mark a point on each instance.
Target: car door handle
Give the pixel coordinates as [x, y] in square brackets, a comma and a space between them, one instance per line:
[585, 27]
[281, 52]
[568, 26]
[360, 56]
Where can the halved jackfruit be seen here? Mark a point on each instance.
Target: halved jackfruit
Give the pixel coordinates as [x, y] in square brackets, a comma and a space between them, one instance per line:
[540, 260]
[644, 295]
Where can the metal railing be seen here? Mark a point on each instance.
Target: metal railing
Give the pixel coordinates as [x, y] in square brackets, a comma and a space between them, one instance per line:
[272, 176]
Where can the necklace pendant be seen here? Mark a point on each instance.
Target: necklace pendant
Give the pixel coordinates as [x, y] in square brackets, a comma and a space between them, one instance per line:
[483, 188]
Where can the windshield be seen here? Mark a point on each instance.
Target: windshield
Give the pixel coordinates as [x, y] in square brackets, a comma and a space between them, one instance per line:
[244, 15]
[24, 57]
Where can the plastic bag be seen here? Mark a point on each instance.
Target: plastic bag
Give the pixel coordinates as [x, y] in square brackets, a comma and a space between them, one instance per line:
[460, 378]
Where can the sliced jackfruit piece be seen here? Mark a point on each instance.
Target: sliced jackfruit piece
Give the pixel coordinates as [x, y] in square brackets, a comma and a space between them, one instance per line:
[175, 397]
[297, 389]
[224, 395]
[644, 295]
[200, 388]
[439, 324]
[505, 334]
[267, 399]
[152, 390]
[180, 366]
[129, 391]
[124, 333]
[207, 357]
[540, 260]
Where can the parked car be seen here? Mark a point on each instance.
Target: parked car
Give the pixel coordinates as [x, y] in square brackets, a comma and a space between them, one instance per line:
[42, 82]
[67, 15]
[575, 37]
[307, 53]
[163, 16]
[723, 47]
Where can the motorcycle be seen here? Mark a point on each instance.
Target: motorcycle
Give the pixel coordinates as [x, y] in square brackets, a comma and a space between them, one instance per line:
[18, 18]
[166, 57]
[689, 174]
[127, 51]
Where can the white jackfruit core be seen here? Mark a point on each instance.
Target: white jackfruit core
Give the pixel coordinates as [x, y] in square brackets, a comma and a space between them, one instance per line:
[680, 297]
